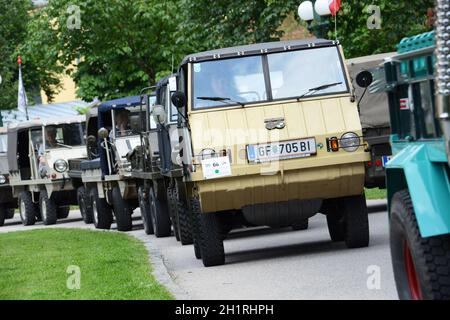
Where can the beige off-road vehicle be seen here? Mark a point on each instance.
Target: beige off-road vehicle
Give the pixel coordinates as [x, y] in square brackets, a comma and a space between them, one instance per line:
[270, 135]
[38, 154]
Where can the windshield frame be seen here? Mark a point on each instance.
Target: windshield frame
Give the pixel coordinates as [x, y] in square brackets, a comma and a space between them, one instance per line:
[268, 84]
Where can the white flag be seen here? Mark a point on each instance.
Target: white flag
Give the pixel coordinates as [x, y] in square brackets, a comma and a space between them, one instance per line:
[22, 100]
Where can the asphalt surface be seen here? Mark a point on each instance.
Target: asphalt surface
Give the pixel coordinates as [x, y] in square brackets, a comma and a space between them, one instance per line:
[271, 264]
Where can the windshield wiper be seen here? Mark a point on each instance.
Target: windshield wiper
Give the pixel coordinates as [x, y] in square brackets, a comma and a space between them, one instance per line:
[319, 88]
[222, 99]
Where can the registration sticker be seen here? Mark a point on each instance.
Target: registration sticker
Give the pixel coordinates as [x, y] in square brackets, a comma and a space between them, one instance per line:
[216, 168]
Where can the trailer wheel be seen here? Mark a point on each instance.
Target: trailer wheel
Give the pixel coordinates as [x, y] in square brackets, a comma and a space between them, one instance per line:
[144, 205]
[160, 216]
[27, 209]
[183, 218]
[211, 240]
[102, 212]
[63, 212]
[84, 204]
[301, 225]
[122, 211]
[10, 212]
[421, 265]
[48, 208]
[172, 206]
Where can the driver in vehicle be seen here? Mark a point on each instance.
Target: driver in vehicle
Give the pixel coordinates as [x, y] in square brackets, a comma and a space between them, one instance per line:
[122, 123]
[50, 142]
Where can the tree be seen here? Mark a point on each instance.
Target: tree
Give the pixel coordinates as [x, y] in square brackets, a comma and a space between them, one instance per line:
[232, 22]
[38, 70]
[118, 46]
[13, 17]
[399, 19]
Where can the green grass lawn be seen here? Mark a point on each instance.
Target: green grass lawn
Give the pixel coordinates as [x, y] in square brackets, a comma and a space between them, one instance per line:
[33, 265]
[375, 194]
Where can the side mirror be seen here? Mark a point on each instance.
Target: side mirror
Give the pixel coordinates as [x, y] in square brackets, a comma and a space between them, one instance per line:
[364, 79]
[159, 114]
[179, 99]
[103, 133]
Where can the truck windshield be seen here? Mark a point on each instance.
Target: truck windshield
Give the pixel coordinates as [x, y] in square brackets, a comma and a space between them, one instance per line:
[64, 135]
[3, 143]
[240, 81]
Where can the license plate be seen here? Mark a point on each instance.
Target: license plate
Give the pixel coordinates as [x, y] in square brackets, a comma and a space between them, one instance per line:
[282, 150]
[385, 160]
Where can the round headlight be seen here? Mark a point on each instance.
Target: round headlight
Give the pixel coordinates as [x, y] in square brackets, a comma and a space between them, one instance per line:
[60, 165]
[350, 142]
[2, 179]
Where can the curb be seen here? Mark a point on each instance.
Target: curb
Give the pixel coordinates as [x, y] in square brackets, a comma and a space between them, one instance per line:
[160, 271]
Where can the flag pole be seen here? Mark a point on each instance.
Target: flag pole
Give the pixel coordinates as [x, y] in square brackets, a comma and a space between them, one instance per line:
[22, 93]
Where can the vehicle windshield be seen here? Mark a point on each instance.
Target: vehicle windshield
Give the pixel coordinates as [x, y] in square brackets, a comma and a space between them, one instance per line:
[240, 81]
[127, 122]
[64, 136]
[3, 143]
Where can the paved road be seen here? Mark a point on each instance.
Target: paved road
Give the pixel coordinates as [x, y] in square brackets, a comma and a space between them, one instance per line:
[275, 264]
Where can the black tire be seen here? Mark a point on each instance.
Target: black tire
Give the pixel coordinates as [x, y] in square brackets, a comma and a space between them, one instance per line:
[356, 222]
[195, 210]
[172, 207]
[27, 209]
[2, 216]
[85, 205]
[160, 216]
[421, 265]
[211, 240]
[63, 212]
[301, 225]
[335, 220]
[122, 211]
[48, 208]
[184, 219]
[10, 212]
[102, 212]
[144, 205]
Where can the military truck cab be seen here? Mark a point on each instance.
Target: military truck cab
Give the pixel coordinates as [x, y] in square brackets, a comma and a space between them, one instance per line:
[171, 135]
[146, 169]
[271, 136]
[8, 203]
[107, 175]
[38, 157]
[374, 114]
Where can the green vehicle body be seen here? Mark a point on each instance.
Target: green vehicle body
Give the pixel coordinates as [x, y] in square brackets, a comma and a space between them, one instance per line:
[420, 156]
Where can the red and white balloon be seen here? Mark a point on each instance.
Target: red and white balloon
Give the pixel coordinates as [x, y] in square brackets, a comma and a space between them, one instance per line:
[322, 7]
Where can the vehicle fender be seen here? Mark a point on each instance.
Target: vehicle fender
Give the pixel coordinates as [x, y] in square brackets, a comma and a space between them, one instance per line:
[418, 169]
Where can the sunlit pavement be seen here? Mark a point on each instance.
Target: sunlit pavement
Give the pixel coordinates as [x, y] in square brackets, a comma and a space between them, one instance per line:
[275, 264]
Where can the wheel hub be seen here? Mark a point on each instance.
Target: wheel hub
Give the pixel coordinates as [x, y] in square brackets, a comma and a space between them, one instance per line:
[411, 273]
